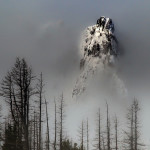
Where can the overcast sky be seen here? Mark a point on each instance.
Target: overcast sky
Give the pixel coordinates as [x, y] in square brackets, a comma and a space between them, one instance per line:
[46, 33]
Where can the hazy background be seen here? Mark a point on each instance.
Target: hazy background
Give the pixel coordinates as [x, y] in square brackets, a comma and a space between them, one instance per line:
[46, 33]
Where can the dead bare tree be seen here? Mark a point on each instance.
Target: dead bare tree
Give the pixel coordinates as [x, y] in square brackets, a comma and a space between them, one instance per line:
[31, 134]
[116, 132]
[55, 130]
[132, 135]
[108, 128]
[129, 135]
[16, 88]
[40, 92]
[34, 132]
[136, 124]
[47, 122]
[61, 122]
[98, 138]
[1, 137]
[37, 131]
[87, 134]
[82, 136]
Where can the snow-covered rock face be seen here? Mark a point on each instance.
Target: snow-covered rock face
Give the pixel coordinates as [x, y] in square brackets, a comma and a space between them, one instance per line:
[98, 51]
[99, 41]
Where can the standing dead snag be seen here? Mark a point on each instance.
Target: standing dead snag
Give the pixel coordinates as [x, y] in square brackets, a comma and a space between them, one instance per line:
[98, 138]
[31, 134]
[108, 128]
[99, 130]
[37, 131]
[1, 136]
[87, 134]
[17, 90]
[133, 133]
[61, 122]
[40, 91]
[34, 131]
[55, 134]
[129, 139]
[116, 133]
[136, 123]
[82, 135]
[48, 138]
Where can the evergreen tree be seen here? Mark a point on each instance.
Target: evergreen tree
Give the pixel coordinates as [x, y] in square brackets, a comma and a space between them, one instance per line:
[12, 141]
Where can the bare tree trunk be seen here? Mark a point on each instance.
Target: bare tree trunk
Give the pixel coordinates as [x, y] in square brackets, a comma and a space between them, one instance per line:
[61, 112]
[34, 131]
[132, 137]
[55, 136]
[30, 135]
[48, 138]
[81, 134]
[99, 130]
[108, 129]
[98, 138]
[136, 123]
[40, 91]
[87, 140]
[37, 133]
[116, 133]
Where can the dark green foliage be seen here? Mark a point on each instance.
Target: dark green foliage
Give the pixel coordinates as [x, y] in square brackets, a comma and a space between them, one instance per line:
[12, 140]
[67, 145]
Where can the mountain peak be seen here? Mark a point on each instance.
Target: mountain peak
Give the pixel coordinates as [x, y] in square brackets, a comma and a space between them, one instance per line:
[99, 41]
[98, 49]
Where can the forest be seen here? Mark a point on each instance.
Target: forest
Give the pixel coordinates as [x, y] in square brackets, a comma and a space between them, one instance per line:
[24, 128]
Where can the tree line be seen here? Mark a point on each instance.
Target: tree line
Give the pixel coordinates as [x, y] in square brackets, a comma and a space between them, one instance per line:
[24, 94]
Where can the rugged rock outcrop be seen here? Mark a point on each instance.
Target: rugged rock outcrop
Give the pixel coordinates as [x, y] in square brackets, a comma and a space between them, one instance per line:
[98, 49]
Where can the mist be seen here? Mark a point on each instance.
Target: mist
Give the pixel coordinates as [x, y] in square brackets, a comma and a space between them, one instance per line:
[47, 34]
